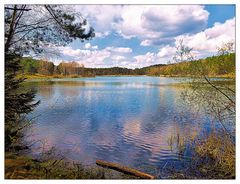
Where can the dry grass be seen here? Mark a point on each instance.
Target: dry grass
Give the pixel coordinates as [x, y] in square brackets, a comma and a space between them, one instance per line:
[40, 76]
[23, 167]
[218, 151]
[213, 158]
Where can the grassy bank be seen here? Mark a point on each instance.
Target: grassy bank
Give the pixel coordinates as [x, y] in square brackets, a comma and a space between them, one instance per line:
[25, 167]
[41, 76]
[48, 77]
[213, 158]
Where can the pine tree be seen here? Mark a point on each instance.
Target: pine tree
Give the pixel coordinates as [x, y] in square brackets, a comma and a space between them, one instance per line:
[16, 103]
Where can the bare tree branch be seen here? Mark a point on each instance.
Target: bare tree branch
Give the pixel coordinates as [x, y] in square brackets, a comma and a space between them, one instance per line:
[17, 9]
[31, 25]
[28, 31]
[219, 90]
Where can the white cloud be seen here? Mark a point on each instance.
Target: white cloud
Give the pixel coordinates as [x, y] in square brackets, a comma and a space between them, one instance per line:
[119, 49]
[70, 52]
[95, 47]
[208, 40]
[101, 35]
[227, 28]
[101, 17]
[109, 57]
[118, 58]
[89, 46]
[149, 57]
[166, 51]
[97, 58]
[161, 21]
[146, 22]
[90, 58]
[145, 43]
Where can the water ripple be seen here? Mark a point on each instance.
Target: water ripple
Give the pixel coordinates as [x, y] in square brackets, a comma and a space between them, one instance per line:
[133, 121]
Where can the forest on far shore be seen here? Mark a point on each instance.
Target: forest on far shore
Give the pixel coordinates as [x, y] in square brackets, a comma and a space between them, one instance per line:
[223, 65]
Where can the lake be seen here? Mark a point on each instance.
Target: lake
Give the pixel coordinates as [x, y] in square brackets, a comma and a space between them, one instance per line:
[141, 122]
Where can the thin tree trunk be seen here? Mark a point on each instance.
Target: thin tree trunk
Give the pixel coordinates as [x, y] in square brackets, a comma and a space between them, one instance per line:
[11, 29]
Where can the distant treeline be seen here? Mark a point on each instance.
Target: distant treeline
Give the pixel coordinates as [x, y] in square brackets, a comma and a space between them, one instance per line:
[211, 66]
[33, 66]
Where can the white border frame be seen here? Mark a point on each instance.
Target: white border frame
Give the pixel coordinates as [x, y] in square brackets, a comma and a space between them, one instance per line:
[112, 2]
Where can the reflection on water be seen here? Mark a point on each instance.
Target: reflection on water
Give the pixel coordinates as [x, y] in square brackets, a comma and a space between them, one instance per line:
[131, 120]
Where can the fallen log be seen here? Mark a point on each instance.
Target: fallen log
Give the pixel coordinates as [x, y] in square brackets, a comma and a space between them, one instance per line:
[124, 169]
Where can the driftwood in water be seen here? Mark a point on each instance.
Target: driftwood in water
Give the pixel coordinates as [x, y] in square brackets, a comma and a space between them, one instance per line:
[124, 169]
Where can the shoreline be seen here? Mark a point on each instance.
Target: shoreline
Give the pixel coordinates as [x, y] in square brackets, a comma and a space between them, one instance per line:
[48, 77]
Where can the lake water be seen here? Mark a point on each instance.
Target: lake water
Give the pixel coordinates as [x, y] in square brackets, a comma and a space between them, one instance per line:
[140, 122]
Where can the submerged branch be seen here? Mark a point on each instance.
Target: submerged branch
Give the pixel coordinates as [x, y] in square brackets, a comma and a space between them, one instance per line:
[124, 169]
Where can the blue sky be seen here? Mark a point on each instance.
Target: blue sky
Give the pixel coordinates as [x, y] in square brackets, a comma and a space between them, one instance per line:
[135, 36]
[220, 13]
